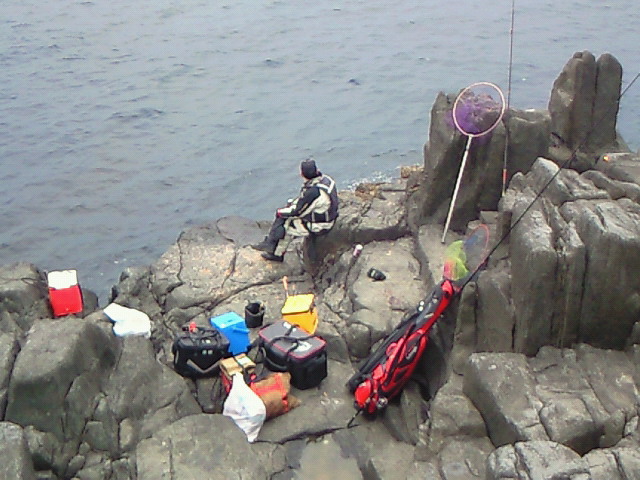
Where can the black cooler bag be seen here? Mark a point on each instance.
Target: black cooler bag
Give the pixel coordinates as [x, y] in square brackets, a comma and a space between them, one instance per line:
[196, 351]
[288, 348]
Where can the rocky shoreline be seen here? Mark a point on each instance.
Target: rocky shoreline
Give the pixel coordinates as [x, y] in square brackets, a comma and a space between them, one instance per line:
[533, 372]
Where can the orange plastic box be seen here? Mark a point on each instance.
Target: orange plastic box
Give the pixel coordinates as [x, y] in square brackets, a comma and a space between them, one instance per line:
[301, 310]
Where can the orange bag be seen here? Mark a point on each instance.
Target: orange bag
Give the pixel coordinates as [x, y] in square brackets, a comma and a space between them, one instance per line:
[274, 392]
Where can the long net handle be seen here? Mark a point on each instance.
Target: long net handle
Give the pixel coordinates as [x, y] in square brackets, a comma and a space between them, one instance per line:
[455, 190]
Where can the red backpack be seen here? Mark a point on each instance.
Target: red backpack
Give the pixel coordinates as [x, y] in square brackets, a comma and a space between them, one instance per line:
[386, 371]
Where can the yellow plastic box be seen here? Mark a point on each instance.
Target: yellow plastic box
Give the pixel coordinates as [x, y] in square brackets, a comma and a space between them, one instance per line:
[301, 310]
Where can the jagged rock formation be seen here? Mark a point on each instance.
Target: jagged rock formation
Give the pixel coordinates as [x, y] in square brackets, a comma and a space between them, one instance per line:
[584, 107]
[533, 372]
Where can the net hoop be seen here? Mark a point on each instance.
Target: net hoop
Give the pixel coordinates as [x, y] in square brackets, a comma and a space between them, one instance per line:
[458, 102]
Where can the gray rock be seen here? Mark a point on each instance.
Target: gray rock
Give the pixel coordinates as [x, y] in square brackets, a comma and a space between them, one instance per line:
[366, 440]
[323, 458]
[615, 189]
[133, 291]
[395, 461]
[613, 464]
[451, 415]
[373, 212]
[147, 393]
[571, 412]
[534, 263]
[584, 106]
[568, 300]
[606, 104]
[60, 369]
[611, 237]
[495, 312]
[402, 288]
[572, 99]
[23, 297]
[611, 376]
[528, 139]
[536, 460]
[403, 418]
[332, 329]
[8, 350]
[422, 470]
[465, 336]
[203, 268]
[43, 447]
[358, 335]
[502, 388]
[622, 166]
[16, 458]
[325, 408]
[462, 459]
[443, 157]
[371, 309]
[187, 449]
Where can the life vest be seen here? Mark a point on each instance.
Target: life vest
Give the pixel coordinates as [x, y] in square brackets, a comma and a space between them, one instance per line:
[327, 184]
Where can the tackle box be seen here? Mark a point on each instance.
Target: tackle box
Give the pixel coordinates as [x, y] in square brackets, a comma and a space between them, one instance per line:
[234, 328]
[301, 310]
[288, 348]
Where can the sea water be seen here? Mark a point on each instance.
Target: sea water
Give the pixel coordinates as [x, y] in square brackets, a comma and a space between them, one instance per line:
[123, 123]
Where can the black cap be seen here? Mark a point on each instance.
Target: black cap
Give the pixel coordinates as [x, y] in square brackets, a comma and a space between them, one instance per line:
[308, 169]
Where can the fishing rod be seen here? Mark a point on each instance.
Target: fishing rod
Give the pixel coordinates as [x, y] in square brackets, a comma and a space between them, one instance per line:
[564, 164]
[506, 130]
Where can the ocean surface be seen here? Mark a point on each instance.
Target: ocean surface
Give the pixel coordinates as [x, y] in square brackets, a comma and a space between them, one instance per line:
[123, 123]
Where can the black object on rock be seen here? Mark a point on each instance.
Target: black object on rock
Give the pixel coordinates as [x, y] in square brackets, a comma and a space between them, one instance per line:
[196, 351]
[253, 314]
[272, 257]
[376, 274]
[288, 348]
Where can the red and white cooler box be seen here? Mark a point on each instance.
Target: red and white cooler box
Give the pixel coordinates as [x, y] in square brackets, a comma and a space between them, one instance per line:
[64, 292]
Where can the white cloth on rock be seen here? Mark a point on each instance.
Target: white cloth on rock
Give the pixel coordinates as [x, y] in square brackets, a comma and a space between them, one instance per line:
[128, 321]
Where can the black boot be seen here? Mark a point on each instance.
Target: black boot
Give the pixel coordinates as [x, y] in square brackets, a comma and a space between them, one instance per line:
[265, 245]
[273, 257]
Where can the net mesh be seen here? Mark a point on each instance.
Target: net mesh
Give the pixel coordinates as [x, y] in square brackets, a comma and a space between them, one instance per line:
[478, 109]
[465, 256]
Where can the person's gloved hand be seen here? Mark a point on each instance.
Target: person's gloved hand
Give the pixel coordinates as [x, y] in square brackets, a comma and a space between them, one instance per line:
[278, 213]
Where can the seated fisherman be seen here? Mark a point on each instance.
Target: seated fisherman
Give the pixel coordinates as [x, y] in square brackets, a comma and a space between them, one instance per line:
[314, 211]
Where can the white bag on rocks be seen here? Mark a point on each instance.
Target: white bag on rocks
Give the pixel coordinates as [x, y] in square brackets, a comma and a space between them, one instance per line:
[245, 408]
[128, 321]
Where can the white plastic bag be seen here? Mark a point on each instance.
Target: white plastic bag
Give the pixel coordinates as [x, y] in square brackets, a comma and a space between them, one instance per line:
[128, 321]
[245, 408]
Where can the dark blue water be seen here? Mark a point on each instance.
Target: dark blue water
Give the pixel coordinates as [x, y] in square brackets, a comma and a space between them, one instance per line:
[122, 123]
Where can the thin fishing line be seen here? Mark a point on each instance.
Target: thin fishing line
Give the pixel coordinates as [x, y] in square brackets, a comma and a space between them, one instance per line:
[506, 141]
[546, 185]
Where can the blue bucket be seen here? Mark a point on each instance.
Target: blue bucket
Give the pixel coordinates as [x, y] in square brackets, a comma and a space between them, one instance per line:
[233, 326]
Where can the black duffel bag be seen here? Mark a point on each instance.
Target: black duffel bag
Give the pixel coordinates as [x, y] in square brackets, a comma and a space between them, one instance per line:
[196, 351]
[288, 348]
